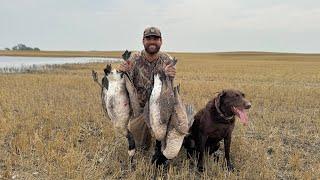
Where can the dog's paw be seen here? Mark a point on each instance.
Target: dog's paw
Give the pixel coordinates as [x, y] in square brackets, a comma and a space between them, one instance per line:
[201, 169]
[230, 167]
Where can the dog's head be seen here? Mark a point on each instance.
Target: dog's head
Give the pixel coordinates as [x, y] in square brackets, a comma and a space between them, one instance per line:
[233, 102]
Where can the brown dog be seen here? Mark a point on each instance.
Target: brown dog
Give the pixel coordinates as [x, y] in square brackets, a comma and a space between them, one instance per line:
[216, 122]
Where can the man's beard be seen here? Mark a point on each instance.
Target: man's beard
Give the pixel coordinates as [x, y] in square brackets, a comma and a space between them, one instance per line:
[152, 50]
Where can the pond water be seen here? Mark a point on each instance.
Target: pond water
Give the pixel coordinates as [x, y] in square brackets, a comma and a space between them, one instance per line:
[16, 64]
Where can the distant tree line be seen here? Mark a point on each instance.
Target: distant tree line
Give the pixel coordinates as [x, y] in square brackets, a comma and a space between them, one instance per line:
[22, 47]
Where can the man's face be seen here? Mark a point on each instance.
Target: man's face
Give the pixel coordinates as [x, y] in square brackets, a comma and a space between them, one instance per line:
[152, 44]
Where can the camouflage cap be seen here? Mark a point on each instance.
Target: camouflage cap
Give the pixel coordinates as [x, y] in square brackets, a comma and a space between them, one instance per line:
[151, 31]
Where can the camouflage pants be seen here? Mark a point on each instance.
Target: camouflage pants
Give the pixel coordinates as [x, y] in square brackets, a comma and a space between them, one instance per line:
[141, 132]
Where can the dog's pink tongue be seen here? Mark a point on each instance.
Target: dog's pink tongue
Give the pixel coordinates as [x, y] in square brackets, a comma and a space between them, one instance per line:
[242, 115]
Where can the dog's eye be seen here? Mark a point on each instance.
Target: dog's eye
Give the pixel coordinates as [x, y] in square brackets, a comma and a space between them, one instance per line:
[243, 95]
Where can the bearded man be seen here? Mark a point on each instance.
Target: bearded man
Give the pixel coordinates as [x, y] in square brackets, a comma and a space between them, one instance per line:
[141, 68]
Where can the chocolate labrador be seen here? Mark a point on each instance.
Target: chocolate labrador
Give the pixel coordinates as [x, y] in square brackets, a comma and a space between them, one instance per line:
[214, 123]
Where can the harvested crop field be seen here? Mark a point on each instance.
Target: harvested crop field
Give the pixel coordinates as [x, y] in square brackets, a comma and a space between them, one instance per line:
[53, 125]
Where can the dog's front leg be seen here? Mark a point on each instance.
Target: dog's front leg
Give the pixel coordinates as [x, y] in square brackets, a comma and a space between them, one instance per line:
[200, 148]
[227, 143]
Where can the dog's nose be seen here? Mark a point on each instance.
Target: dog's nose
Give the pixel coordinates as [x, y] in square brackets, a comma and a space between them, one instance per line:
[248, 105]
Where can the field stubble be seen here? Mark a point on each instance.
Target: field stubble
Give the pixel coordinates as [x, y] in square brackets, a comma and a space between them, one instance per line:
[53, 126]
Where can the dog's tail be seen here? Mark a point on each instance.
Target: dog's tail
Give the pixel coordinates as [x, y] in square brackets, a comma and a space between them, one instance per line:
[190, 113]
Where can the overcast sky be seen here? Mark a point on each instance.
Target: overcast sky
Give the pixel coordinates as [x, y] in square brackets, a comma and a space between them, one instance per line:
[186, 25]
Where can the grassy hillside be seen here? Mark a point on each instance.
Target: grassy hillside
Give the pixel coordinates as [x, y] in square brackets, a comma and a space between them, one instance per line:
[53, 127]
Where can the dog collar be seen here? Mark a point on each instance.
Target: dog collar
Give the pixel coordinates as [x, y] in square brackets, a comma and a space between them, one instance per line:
[216, 103]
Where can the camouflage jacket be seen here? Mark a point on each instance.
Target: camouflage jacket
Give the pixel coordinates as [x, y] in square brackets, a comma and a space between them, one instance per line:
[143, 71]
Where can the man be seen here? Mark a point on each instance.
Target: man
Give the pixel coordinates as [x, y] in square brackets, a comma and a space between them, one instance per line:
[141, 68]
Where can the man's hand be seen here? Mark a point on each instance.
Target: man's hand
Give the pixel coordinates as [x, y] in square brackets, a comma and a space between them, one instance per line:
[125, 66]
[170, 70]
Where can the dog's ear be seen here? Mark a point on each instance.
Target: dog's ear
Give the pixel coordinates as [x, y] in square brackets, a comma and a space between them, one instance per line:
[219, 97]
[107, 70]
[222, 94]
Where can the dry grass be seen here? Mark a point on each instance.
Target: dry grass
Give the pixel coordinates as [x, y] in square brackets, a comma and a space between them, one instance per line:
[53, 127]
